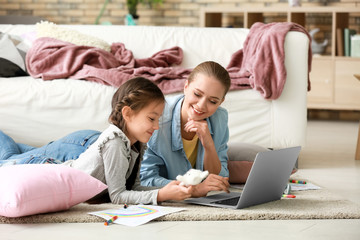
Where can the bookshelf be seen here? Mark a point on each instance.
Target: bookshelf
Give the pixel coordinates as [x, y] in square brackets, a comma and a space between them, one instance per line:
[334, 85]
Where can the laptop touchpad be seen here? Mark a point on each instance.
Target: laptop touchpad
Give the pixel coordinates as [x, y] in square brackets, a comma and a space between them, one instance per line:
[230, 201]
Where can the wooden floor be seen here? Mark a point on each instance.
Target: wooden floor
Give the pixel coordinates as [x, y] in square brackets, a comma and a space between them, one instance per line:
[329, 156]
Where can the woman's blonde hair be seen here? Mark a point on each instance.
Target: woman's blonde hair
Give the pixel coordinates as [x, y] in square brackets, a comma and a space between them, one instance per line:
[212, 69]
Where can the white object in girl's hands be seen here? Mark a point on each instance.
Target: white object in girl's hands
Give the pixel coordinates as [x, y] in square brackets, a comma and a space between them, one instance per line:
[192, 177]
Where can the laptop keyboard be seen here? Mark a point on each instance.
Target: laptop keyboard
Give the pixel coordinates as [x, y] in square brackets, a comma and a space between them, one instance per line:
[230, 201]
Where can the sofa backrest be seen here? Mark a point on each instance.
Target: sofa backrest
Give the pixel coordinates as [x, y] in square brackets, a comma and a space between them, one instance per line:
[198, 44]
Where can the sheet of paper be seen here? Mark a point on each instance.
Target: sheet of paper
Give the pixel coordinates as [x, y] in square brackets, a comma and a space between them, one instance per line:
[302, 187]
[136, 215]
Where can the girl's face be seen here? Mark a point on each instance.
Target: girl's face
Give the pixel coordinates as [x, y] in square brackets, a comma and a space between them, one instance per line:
[203, 95]
[141, 125]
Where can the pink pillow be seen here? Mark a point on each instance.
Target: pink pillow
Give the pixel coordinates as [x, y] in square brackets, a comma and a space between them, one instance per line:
[40, 188]
[239, 171]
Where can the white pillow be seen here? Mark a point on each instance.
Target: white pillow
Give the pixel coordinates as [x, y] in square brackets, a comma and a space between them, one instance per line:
[49, 29]
[39, 188]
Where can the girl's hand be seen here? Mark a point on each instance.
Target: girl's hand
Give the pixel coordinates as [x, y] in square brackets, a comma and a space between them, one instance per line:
[212, 183]
[200, 127]
[173, 191]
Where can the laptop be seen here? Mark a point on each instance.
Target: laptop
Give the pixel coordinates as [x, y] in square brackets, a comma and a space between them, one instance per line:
[266, 182]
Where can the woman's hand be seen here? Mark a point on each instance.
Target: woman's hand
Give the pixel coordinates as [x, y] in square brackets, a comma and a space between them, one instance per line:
[212, 183]
[211, 160]
[174, 191]
[200, 127]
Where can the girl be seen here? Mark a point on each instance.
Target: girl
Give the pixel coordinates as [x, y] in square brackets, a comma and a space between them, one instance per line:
[113, 156]
[193, 133]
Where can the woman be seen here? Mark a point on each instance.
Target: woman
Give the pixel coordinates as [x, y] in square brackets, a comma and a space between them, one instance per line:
[193, 133]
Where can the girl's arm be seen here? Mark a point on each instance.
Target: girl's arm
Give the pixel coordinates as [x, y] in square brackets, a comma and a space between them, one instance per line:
[172, 191]
[116, 166]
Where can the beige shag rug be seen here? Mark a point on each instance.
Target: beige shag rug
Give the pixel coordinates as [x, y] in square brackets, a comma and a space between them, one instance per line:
[311, 204]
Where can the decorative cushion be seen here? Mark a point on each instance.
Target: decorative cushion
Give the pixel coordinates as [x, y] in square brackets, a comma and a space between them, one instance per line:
[12, 56]
[49, 29]
[241, 157]
[10, 69]
[39, 188]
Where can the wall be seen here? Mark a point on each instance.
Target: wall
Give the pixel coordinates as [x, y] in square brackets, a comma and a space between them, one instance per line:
[170, 13]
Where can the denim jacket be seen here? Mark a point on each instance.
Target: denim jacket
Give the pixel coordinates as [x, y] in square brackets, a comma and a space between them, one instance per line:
[165, 157]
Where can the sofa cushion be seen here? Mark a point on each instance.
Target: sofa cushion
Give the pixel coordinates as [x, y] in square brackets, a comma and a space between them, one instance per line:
[10, 69]
[39, 188]
[241, 157]
[12, 61]
[49, 29]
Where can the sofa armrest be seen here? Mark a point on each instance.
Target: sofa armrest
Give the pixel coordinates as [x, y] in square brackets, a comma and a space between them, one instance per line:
[289, 112]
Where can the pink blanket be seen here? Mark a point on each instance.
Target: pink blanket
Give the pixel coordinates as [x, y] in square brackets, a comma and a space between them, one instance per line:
[261, 63]
[50, 59]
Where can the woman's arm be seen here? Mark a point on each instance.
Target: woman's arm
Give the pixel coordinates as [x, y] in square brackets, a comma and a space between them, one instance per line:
[215, 145]
[150, 170]
[215, 156]
[211, 183]
[222, 138]
[220, 130]
[211, 160]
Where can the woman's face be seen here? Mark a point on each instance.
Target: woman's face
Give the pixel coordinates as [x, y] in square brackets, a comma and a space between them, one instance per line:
[203, 95]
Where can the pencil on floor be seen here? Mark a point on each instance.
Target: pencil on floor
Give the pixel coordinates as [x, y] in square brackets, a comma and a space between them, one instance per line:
[111, 220]
[288, 196]
[297, 181]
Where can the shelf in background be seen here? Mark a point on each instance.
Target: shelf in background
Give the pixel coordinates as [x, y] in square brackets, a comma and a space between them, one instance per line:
[333, 83]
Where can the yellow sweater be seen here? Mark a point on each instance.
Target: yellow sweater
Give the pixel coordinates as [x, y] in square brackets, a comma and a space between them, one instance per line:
[190, 148]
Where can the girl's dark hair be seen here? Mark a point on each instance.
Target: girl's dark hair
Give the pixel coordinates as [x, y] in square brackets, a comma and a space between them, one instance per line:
[212, 69]
[135, 93]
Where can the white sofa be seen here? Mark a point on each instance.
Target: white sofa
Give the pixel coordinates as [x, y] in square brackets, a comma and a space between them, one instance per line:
[34, 112]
